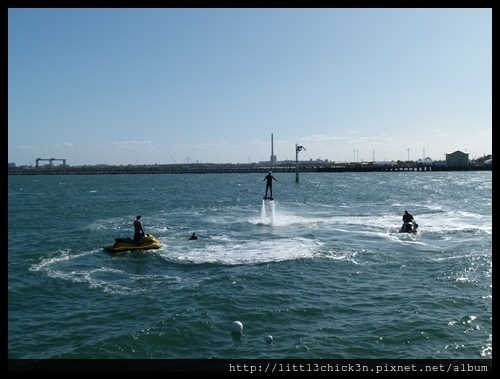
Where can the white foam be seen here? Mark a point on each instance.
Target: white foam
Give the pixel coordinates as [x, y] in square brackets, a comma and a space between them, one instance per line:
[80, 268]
[232, 251]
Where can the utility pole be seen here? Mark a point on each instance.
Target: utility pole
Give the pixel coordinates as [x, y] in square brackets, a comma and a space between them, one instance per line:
[297, 149]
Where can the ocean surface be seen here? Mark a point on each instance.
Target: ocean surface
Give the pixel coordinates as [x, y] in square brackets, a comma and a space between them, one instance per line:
[322, 269]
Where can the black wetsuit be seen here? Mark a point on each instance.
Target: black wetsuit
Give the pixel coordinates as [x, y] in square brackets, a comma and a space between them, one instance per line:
[407, 218]
[138, 232]
[269, 184]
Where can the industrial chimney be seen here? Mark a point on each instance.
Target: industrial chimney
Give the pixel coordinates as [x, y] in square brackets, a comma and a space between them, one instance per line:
[273, 157]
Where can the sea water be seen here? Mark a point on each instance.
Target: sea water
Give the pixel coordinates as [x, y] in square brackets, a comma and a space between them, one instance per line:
[322, 268]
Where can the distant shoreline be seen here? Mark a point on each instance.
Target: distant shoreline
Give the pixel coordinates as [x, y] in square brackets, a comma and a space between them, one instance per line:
[229, 169]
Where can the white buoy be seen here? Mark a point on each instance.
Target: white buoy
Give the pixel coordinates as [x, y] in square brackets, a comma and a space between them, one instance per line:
[237, 327]
[269, 339]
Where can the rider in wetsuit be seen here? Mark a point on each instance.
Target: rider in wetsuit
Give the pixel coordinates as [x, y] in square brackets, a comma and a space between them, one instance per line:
[138, 230]
[407, 218]
[269, 185]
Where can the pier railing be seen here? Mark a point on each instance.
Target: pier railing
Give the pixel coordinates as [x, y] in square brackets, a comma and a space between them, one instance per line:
[232, 168]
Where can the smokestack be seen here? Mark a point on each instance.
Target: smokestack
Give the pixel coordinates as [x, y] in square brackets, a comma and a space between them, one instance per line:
[272, 159]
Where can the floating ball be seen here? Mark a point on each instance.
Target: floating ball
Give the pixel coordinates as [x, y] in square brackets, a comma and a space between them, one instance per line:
[269, 339]
[237, 327]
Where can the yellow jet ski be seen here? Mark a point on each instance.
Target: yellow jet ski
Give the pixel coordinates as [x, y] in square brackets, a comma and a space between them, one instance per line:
[128, 244]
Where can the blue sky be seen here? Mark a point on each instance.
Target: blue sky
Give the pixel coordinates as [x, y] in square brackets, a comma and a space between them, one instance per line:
[161, 86]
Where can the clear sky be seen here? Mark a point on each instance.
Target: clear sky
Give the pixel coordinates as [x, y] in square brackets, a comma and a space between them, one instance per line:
[147, 86]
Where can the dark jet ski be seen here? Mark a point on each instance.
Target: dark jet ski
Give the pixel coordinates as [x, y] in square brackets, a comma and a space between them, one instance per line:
[408, 227]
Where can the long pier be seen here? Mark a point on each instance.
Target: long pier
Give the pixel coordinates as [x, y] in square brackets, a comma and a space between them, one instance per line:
[195, 168]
